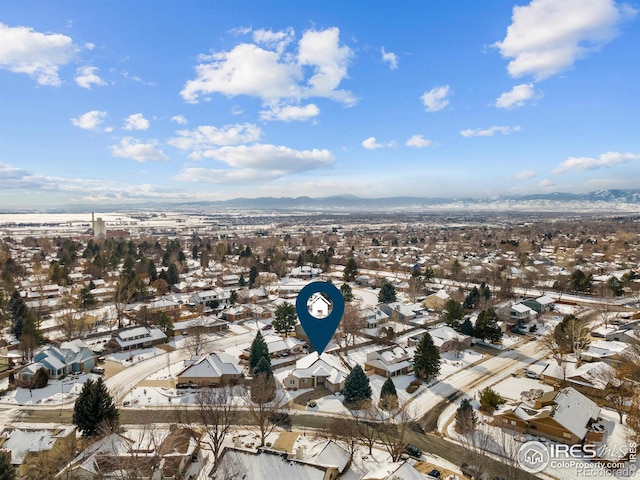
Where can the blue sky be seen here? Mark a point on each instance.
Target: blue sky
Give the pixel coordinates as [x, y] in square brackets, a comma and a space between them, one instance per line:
[109, 102]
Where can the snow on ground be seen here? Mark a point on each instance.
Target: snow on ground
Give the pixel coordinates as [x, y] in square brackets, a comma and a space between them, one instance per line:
[494, 439]
[167, 373]
[131, 357]
[238, 329]
[165, 397]
[331, 404]
[359, 355]
[451, 363]
[401, 383]
[564, 309]
[55, 393]
[512, 387]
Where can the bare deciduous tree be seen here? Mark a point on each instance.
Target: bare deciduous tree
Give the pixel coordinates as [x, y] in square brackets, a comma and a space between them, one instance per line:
[266, 406]
[215, 414]
[197, 340]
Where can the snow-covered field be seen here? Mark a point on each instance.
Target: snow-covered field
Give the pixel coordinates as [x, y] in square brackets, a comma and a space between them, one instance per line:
[55, 393]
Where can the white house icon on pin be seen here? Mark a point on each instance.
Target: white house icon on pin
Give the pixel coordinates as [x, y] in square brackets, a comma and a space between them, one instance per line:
[319, 306]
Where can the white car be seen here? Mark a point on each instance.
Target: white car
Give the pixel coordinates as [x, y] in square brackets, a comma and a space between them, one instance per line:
[531, 374]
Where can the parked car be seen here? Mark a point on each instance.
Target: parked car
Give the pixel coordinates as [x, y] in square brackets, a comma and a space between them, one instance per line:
[473, 472]
[435, 473]
[411, 449]
[98, 370]
[267, 327]
[531, 374]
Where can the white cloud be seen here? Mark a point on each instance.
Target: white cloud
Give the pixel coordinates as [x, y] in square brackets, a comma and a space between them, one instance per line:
[207, 137]
[372, 144]
[489, 132]
[277, 159]
[525, 174]
[546, 183]
[273, 74]
[608, 159]
[224, 176]
[275, 40]
[390, 58]
[290, 112]
[139, 151]
[179, 119]
[418, 141]
[548, 36]
[87, 76]
[517, 96]
[90, 120]
[436, 98]
[136, 121]
[39, 55]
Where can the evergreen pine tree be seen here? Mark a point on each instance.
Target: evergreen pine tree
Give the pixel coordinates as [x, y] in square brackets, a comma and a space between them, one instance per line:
[387, 293]
[152, 271]
[172, 274]
[242, 282]
[7, 471]
[356, 386]
[285, 318]
[388, 395]
[466, 418]
[263, 368]
[467, 327]
[350, 270]
[347, 292]
[94, 409]
[258, 350]
[426, 361]
[40, 378]
[253, 275]
[487, 326]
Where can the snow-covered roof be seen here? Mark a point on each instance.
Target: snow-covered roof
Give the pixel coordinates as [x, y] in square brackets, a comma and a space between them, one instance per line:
[266, 465]
[573, 411]
[395, 470]
[324, 366]
[520, 308]
[210, 366]
[445, 334]
[21, 441]
[331, 455]
[545, 300]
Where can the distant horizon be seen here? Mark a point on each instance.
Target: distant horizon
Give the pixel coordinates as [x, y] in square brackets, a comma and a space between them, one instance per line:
[624, 196]
[109, 103]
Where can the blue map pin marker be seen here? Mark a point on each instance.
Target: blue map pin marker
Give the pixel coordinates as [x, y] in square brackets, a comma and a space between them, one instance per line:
[320, 330]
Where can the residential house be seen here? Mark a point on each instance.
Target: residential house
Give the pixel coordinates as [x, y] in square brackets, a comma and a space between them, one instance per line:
[564, 415]
[394, 471]
[237, 313]
[230, 281]
[137, 337]
[163, 305]
[69, 357]
[313, 371]
[213, 370]
[389, 363]
[610, 352]
[437, 300]
[374, 317]
[205, 323]
[446, 339]
[141, 453]
[541, 304]
[590, 379]
[520, 313]
[400, 311]
[211, 298]
[305, 271]
[266, 464]
[33, 443]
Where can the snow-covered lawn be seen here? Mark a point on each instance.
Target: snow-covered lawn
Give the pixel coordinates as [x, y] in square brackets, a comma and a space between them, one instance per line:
[131, 357]
[451, 363]
[497, 440]
[55, 393]
[511, 388]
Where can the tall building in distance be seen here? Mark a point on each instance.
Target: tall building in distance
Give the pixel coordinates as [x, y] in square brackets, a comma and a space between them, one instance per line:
[99, 227]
